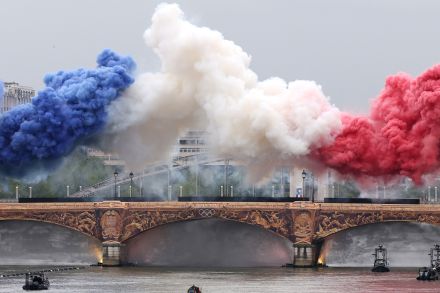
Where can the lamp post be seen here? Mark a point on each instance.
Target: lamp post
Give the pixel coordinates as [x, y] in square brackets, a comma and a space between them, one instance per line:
[282, 183]
[303, 174]
[116, 176]
[197, 176]
[435, 194]
[16, 192]
[131, 183]
[140, 187]
[226, 176]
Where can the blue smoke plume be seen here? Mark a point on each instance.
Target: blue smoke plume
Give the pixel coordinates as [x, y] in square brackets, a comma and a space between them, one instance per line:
[70, 110]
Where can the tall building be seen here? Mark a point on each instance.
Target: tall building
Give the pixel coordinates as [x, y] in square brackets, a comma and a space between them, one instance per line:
[14, 95]
[192, 143]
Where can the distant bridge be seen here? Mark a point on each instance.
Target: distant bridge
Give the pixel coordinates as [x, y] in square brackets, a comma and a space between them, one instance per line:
[305, 224]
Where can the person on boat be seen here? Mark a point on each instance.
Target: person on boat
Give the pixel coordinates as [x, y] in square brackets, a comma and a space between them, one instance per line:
[194, 289]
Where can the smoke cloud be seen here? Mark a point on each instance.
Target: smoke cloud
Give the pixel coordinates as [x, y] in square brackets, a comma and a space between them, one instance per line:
[71, 109]
[205, 83]
[399, 137]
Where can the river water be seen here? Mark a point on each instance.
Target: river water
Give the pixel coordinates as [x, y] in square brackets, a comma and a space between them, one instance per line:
[252, 280]
[170, 255]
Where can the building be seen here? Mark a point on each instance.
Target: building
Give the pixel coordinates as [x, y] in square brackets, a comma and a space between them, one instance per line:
[108, 159]
[14, 95]
[192, 143]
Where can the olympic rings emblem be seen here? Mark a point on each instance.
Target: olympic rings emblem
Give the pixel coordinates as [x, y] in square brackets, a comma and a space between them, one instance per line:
[206, 213]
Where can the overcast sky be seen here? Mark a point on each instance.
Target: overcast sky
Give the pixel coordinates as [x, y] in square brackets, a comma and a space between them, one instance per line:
[348, 47]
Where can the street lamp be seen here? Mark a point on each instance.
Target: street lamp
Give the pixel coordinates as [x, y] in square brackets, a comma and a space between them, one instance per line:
[131, 183]
[116, 176]
[304, 185]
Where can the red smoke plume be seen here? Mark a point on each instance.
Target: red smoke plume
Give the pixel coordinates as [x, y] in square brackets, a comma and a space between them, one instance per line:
[400, 137]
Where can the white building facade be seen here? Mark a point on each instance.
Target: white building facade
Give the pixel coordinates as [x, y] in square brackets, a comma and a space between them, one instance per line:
[14, 95]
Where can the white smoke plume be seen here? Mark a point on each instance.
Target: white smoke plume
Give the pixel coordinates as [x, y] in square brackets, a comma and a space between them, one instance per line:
[205, 83]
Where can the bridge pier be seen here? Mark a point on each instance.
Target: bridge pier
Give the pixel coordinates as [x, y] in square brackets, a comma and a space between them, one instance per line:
[111, 253]
[305, 255]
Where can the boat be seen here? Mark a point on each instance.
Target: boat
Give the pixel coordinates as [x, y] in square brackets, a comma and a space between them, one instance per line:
[427, 274]
[194, 289]
[431, 273]
[380, 260]
[36, 281]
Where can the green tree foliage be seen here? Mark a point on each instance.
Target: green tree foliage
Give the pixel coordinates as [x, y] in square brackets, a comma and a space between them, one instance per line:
[77, 169]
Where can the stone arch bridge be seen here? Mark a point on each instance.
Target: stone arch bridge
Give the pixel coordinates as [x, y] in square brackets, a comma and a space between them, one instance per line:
[305, 224]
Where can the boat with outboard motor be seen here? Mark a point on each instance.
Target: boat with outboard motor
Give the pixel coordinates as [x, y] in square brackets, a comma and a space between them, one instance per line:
[36, 281]
[431, 273]
[427, 274]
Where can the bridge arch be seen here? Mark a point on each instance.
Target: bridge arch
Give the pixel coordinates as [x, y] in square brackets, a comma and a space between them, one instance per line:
[136, 222]
[207, 242]
[82, 221]
[372, 224]
[139, 232]
[25, 241]
[331, 223]
[408, 243]
[55, 223]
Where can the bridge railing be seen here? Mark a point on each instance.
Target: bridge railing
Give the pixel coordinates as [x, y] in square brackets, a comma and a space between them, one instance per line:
[8, 200]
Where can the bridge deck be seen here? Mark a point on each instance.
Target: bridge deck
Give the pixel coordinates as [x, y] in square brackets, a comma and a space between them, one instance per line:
[218, 205]
[300, 222]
